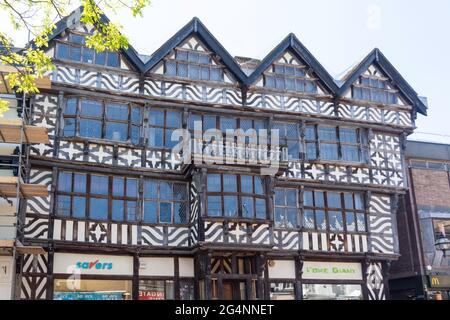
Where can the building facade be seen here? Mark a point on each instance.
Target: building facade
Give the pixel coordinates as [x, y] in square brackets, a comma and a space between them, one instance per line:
[311, 215]
[423, 271]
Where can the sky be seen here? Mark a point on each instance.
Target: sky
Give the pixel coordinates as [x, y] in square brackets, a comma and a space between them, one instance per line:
[412, 34]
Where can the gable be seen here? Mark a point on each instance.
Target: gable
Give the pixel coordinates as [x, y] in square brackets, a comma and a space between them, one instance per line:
[193, 60]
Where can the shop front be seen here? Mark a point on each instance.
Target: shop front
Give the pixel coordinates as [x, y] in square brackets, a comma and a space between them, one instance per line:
[439, 287]
[6, 277]
[92, 277]
[332, 281]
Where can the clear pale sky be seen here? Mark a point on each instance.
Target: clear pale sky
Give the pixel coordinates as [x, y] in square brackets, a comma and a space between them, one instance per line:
[413, 34]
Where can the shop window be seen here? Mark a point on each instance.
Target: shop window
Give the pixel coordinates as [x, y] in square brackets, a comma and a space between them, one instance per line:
[286, 208]
[230, 195]
[334, 211]
[289, 137]
[165, 202]
[332, 292]
[186, 289]
[441, 228]
[162, 123]
[156, 290]
[92, 289]
[289, 77]
[101, 120]
[333, 143]
[75, 49]
[374, 89]
[282, 291]
[195, 65]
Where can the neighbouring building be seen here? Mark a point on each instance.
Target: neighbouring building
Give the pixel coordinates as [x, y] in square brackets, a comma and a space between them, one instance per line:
[313, 217]
[423, 270]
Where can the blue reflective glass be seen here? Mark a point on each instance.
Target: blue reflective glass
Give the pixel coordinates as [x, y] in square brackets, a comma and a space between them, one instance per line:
[91, 108]
[90, 128]
[231, 206]
[150, 212]
[165, 212]
[214, 206]
[113, 59]
[248, 210]
[118, 207]
[98, 209]
[65, 181]
[261, 209]
[99, 184]
[62, 51]
[79, 207]
[63, 206]
[116, 131]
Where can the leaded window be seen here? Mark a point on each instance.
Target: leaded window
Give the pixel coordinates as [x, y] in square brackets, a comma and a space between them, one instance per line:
[101, 119]
[334, 211]
[165, 202]
[286, 208]
[374, 89]
[289, 137]
[231, 195]
[75, 49]
[161, 125]
[195, 65]
[333, 143]
[289, 77]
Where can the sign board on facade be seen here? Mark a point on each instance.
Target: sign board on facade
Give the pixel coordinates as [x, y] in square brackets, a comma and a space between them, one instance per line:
[439, 281]
[282, 269]
[331, 270]
[69, 263]
[155, 266]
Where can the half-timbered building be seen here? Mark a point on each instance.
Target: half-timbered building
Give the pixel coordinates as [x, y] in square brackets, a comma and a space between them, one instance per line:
[128, 218]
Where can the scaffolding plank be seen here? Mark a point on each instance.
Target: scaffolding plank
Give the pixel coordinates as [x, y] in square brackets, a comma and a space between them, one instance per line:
[10, 132]
[8, 188]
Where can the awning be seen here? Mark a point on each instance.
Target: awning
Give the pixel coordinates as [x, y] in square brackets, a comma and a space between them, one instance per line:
[8, 188]
[10, 132]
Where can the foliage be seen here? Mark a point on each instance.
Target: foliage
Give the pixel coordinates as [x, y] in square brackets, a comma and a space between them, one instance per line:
[38, 18]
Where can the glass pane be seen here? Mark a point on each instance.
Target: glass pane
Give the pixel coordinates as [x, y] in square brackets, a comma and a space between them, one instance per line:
[247, 207]
[182, 70]
[69, 127]
[308, 198]
[358, 201]
[229, 183]
[156, 118]
[194, 72]
[311, 151]
[150, 211]
[156, 137]
[65, 181]
[209, 122]
[350, 221]
[98, 209]
[179, 191]
[165, 190]
[246, 184]
[132, 185]
[118, 207]
[310, 133]
[116, 111]
[320, 220]
[116, 131]
[259, 185]
[279, 197]
[171, 68]
[193, 56]
[332, 292]
[136, 115]
[291, 218]
[91, 108]
[279, 217]
[150, 189]
[308, 219]
[180, 214]
[71, 107]
[282, 291]
[181, 55]
[361, 222]
[269, 81]
[75, 53]
[327, 133]
[63, 206]
[186, 290]
[261, 209]
[348, 135]
[165, 212]
[227, 124]
[328, 151]
[310, 86]
[214, 206]
[348, 199]
[100, 58]
[135, 134]
[173, 119]
[152, 290]
[171, 140]
[334, 200]
[350, 153]
[88, 55]
[62, 51]
[131, 212]
[279, 82]
[113, 59]
[216, 74]
[318, 199]
[90, 128]
[79, 184]
[290, 84]
[118, 186]
[291, 197]
[335, 221]
[99, 184]
[79, 207]
[76, 38]
[204, 75]
[203, 58]
[214, 182]
[230, 205]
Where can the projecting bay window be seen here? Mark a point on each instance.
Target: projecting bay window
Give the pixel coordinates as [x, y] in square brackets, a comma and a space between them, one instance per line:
[289, 77]
[333, 143]
[236, 196]
[374, 89]
[165, 202]
[82, 196]
[195, 65]
[101, 120]
[162, 123]
[75, 49]
[334, 211]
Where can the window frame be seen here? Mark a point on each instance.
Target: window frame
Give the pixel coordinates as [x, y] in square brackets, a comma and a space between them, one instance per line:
[164, 128]
[276, 76]
[285, 207]
[373, 91]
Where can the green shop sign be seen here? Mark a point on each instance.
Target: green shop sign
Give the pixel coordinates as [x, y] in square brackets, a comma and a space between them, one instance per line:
[331, 270]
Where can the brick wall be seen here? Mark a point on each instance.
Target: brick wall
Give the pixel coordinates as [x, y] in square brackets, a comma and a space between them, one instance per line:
[431, 188]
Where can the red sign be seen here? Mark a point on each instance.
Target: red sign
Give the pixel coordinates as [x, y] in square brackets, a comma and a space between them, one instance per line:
[151, 295]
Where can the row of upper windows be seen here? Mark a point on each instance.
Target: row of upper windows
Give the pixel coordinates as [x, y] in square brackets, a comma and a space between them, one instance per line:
[115, 198]
[198, 65]
[124, 123]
